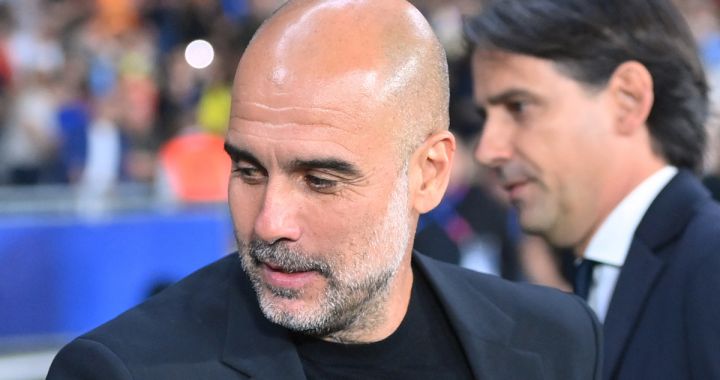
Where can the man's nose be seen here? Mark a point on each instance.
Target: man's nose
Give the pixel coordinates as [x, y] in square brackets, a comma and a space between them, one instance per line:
[495, 146]
[278, 216]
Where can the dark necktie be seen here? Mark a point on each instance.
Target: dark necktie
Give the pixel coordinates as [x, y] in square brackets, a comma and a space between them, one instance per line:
[583, 278]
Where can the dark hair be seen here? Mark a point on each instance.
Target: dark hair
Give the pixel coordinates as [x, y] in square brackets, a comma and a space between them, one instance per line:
[589, 39]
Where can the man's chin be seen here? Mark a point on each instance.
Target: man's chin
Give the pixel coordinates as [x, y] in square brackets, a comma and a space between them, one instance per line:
[294, 314]
[287, 303]
[284, 300]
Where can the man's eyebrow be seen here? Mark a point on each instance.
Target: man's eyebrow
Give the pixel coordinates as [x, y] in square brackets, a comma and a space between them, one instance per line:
[236, 155]
[508, 95]
[336, 165]
[341, 167]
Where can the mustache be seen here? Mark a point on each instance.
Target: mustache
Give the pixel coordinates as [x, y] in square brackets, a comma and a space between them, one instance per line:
[289, 260]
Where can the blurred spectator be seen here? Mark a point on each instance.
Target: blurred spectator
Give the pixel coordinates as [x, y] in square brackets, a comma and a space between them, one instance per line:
[104, 151]
[36, 50]
[704, 22]
[214, 105]
[195, 168]
[115, 17]
[31, 135]
[6, 27]
[72, 55]
[74, 120]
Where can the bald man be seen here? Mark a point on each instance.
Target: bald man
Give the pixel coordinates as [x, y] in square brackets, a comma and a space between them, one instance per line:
[338, 138]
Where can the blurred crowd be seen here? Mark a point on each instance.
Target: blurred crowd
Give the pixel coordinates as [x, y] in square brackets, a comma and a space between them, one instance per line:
[91, 90]
[94, 93]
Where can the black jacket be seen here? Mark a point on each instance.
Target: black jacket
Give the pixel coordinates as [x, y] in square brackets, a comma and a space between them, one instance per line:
[209, 326]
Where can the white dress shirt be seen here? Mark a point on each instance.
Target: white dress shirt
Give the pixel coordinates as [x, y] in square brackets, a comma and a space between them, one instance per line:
[610, 244]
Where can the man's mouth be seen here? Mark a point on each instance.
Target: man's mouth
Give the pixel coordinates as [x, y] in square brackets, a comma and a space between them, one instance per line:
[515, 188]
[289, 278]
[278, 268]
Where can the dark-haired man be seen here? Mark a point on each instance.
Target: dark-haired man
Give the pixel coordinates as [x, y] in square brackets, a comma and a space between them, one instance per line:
[594, 122]
[338, 139]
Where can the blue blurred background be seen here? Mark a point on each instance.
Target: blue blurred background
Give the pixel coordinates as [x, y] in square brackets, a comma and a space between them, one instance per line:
[113, 177]
[64, 274]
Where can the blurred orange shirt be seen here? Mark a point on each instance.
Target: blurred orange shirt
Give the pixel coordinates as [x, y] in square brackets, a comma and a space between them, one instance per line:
[197, 167]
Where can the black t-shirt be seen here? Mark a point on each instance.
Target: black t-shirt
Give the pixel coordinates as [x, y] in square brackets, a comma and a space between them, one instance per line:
[423, 347]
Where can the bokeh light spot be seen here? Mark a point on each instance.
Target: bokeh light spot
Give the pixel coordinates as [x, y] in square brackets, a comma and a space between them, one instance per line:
[199, 54]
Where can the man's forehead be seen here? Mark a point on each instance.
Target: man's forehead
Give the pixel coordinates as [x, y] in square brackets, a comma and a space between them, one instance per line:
[309, 123]
[488, 63]
[496, 72]
[296, 87]
[349, 103]
[314, 119]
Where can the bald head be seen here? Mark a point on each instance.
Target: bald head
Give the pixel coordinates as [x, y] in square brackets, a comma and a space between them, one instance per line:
[363, 58]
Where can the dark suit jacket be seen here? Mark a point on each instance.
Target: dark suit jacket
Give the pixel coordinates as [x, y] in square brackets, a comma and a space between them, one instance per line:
[209, 326]
[664, 317]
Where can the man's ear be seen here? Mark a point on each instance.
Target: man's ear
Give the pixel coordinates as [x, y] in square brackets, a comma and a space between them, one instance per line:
[631, 88]
[430, 171]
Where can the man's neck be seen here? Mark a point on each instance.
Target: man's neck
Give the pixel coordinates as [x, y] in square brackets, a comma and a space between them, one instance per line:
[640, 195]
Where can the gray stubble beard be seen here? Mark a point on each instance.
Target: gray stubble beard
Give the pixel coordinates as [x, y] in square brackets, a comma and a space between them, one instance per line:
[349, 305]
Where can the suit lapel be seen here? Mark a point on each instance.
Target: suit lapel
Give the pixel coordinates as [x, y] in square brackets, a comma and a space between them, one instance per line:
[662, 224]
[483, 330]
[636, 280]
[253, 345]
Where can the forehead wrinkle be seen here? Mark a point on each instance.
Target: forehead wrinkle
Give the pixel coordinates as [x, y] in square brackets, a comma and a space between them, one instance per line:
[282, 124]
[240, 137]
[315, 115]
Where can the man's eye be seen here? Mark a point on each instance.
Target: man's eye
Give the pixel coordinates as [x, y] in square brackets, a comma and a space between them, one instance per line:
[320, 184]
[516, 107]
[249, 174]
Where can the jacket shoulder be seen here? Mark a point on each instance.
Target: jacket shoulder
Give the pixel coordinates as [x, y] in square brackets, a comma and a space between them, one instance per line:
[556, 326]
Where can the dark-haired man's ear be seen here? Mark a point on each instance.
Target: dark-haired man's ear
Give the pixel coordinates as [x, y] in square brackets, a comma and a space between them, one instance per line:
[430, 171]
[631, 87]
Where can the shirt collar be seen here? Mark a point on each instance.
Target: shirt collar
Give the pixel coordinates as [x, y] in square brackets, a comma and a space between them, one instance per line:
[610, 244]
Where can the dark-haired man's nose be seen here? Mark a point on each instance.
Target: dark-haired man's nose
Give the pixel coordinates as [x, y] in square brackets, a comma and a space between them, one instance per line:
[495, 145]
